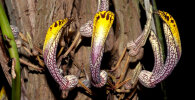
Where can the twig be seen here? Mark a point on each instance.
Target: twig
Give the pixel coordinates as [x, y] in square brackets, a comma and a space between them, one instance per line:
[134, 78]
[23, 37]
[60, 52]
[122, 83]
[27, 50]
[34, 46]
[120, 59]
[72, 45]
[30, 64]
[38, 49]
[40, 61]
[124, 71]
[112, 85]
[86, 88]
[29, 40]
[69, 49]
[122, 91]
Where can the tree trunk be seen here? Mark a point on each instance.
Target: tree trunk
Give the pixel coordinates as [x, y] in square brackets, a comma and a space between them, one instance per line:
[35, 16]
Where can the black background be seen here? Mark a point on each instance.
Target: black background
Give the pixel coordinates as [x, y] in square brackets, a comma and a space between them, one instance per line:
[178, 85]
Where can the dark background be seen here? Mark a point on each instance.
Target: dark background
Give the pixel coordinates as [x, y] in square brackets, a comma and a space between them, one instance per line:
[178, 85]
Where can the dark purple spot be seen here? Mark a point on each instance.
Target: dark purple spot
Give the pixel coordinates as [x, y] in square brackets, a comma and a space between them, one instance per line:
[107, 17]
[55, 25]
[103, 15]
[59, 22]
[172, 21]
[167, 17]
[98, 17]
[111, 18]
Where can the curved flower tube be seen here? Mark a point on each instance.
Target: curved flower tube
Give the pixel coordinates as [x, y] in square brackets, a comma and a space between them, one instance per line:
[169, 20]
[101, 26]
[135, 46]
[159, 73]
[144, 76]
[158, 53]
[49, 55]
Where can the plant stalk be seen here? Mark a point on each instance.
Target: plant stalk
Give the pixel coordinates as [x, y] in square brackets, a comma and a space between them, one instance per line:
[13, 53]
[158, 28]
[160, 37]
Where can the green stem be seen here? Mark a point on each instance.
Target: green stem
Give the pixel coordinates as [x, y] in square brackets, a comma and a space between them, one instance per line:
[13, 52]
[158, 27]
[159, 34]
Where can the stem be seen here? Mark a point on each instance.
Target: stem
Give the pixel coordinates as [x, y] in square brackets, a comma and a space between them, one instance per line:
[13, 52]
[160, 37]
[158, 27]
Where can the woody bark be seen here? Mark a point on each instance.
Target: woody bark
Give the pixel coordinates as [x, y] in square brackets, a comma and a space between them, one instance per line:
[35, 16]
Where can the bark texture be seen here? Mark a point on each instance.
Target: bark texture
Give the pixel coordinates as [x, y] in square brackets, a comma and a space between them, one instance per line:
[35, 16]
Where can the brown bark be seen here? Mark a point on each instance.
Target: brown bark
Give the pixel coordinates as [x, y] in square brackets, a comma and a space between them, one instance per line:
[35, 16]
